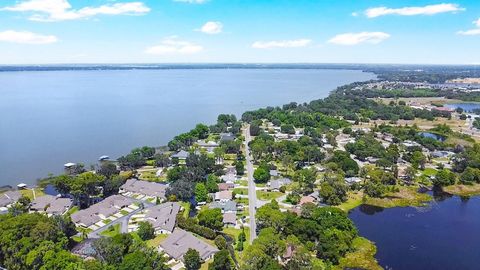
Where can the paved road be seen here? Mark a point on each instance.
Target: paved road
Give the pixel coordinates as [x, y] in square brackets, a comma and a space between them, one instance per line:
[252, 194]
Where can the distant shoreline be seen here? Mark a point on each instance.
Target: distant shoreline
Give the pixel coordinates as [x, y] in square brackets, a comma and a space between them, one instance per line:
[81, 67]
[166, 66]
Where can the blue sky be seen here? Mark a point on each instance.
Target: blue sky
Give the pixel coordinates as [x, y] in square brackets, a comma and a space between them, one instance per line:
[245, 31]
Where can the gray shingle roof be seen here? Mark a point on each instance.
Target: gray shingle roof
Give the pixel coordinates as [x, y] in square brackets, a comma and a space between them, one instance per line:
[178, 243]
[229, 206]
[107, 207]
[229, 218]
[226, 137]
[51, 204]
[163, 216]
[182, 154]
[144, 187]
[9, 197]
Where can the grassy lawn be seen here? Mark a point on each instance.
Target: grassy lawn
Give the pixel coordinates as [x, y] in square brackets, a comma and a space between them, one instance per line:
[186, 208]
[361, 258]
[136, 237]
[243, 183]
[73, 210]
[354, 200]
[112, 230]
[242, 201]
[155, 242]
[407, 196]
[150, 162]
[463, 190]
[151, 176]
[429, 172]
[268, 196]
[106, 221]
[242, 213]
[29, 193]
[241, 191]
[230, 156]
[123, 212]
[236, 232]
[77, 239]
[205, 265]
[126, 174]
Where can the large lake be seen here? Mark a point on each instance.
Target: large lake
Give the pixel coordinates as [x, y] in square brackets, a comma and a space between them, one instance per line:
[49, 118]
[444, 235]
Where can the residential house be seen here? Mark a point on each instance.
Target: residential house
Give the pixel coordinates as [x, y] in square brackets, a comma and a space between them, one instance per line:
[274, 173]
[180, 241]
[8, 198]
[51, 205]
[181, 155]
[223, 196]
[163, 217]
[276, 184]
[441, 154]
[101, 210]
[225, 186]
[228, 178]
[225, 137]
[208, 146]
[135, 187]
[226, 207]
[312, 198]
[230, 219]
[351, 180]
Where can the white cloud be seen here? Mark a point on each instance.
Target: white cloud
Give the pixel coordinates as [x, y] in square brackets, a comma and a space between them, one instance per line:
[192, 1]
[211, 28]
[61, 10]
[411, 11]
[357, 38]
[172, 45]
[24, 37]
[281, 44]
[472, 32]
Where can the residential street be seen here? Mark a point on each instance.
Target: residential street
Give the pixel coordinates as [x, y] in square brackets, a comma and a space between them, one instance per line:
[252, 194]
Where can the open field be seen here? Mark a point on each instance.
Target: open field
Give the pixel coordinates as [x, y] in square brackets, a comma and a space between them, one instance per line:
[407, 196]
[268, 196]
[355, 199]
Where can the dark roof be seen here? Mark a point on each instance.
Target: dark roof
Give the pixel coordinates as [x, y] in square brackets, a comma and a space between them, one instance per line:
[182, 154]
[227, 137]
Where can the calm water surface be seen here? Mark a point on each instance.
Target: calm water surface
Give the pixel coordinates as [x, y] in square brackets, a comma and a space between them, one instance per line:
[467, 106]
[444, 235]
[53, 117]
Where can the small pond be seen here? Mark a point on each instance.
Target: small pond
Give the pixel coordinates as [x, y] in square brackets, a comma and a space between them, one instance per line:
[443, 235]
[467, 107]
[432, 135]
[50, 190]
